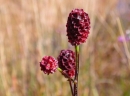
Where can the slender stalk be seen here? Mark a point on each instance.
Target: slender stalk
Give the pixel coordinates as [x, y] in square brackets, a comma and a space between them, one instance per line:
[69, 79]
[124, 43]
[70, 83]
[76, 70]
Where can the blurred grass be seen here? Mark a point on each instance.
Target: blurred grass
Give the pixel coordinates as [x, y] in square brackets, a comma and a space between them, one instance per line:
[31, 29]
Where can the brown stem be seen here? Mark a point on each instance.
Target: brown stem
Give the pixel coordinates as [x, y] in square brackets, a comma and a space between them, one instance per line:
[70, 83]
[76, 71]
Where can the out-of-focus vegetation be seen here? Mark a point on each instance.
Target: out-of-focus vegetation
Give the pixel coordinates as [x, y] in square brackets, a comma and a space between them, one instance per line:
[31, 29]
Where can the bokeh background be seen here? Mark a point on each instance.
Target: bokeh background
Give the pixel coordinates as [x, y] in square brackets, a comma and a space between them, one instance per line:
[31, 29]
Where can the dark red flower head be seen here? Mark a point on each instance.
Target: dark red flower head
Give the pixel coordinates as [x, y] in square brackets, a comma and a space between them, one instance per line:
[48, 65]
[66, 61]
[78, 26]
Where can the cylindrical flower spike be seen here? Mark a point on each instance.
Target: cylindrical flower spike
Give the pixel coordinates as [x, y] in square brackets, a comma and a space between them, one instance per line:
[66, 61]
[78, 26]
[48, 65]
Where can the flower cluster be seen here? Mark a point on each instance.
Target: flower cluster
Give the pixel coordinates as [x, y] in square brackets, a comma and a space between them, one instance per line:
[66, 61]
[78, 26]
[48, 65]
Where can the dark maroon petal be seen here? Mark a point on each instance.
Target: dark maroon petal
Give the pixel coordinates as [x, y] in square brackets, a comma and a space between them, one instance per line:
[78, 26]
[48, 65]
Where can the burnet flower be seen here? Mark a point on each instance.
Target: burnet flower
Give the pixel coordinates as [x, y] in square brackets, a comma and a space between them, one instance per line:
[66, 61]
[48, 65]
[78, 26]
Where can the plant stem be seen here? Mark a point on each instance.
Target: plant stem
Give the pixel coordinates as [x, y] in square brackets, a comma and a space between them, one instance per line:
[76, 70]
[70, 83]
[69, 79]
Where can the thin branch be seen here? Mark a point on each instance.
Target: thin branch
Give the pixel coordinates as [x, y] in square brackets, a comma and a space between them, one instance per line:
[71, 87]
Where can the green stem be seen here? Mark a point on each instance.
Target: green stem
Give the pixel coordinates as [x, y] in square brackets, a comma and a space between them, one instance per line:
[76, 70]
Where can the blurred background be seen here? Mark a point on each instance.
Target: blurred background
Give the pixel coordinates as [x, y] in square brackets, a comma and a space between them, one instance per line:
[31, 29]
